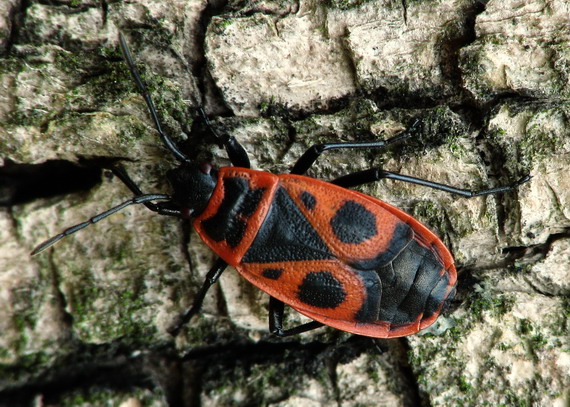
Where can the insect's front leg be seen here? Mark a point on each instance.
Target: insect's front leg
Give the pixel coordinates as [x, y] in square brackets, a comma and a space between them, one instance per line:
[212, 276]
[236, 152]
[120, 172]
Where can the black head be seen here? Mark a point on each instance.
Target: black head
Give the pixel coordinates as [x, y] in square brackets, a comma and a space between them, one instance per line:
[193, 185]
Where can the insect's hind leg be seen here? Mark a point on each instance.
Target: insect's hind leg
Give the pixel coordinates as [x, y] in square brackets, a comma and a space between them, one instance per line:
[276, 311]
[376, 174]
[313, 153]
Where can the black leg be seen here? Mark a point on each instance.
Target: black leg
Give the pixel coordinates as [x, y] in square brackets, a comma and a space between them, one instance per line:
[235, 150]
[375, 174]
[212, 276]
[276, 310]
[120, 172]
[186, 229]
[310, 156]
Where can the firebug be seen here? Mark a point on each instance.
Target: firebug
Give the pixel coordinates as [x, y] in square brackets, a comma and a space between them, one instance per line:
[337, 256]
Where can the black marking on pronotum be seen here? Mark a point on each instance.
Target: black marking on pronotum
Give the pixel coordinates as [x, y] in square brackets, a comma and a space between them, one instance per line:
[251, 202]
[353, 223]
[321, 289]
[238, 201]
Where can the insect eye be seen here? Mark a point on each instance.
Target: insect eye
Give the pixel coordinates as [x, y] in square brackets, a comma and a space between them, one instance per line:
[205, 167]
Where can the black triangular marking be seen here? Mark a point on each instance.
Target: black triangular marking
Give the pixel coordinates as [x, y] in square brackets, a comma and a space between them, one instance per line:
[286, 235]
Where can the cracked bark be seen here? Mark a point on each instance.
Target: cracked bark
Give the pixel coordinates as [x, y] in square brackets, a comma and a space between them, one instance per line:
[68, 97]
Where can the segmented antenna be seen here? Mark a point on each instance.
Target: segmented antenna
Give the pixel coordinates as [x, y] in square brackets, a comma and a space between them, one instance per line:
[69, 231]
[180, 156]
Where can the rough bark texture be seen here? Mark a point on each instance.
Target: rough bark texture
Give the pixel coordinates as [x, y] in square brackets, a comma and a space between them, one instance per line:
[84, 323]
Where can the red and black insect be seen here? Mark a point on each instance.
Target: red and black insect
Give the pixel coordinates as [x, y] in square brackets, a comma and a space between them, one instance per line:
[340, 257]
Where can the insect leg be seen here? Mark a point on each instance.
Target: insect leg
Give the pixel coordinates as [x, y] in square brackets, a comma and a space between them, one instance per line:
[310, 156]
[276, 310]
[160, 208]
[376, 174]
[212, 276]
[235, 150]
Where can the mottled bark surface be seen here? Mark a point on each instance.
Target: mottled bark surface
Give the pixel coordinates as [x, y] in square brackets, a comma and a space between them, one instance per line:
[84, 323]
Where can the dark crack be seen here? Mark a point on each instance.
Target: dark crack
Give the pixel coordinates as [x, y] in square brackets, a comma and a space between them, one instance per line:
[16, 17]
[534, 253]
[104, 11]
[415, 397]
[405, 11]
[206, 84]
[74, 372]
[21, 183]
[162, 370]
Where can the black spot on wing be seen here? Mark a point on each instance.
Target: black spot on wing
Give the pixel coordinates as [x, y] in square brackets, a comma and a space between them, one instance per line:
[286, 235]
[272, 274]
[308, 200]
[321, 289]
[239, 201]
[353, 223]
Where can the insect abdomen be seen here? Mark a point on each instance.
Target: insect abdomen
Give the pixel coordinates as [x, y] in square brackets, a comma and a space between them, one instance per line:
[415, 285]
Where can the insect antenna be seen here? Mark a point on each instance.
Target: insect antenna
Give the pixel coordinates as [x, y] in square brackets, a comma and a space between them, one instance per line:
[141, 199]
[168, 142]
